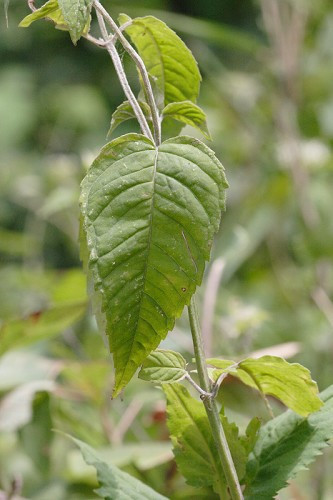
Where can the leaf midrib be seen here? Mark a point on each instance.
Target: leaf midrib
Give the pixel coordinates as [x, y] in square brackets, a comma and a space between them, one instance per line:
[146, 261]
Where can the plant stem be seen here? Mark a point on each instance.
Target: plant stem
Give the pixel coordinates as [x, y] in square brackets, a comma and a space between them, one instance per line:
[211, 407]
[123, 79]
[141, 67]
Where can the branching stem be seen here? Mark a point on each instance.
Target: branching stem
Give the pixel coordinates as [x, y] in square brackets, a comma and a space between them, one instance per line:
[140, 65]
[211, 407]
[122, 78]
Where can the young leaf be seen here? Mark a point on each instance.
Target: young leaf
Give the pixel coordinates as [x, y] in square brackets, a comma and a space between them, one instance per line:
[291, 383]
[113, 482]
[77, 16]
[251, 435]
[286, 445]
[163, 366]
[166, 57]
[194, 448]
[50, 10]
[238, 452]
[149, 215]
[189, 113]
[125, 112]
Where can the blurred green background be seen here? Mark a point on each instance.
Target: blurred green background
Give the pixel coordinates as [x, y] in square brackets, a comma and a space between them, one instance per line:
[267, 90]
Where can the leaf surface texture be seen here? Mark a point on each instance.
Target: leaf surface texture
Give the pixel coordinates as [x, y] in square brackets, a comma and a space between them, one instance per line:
[149, 217]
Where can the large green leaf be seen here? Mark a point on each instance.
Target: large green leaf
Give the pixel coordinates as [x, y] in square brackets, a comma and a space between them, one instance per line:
[189, 113]
[163, 366]
[291, 383]
[50, 10]
[286, 445]
[167, 59]
[77, 16]
[113, 482]
[193, 444]
[150, 215]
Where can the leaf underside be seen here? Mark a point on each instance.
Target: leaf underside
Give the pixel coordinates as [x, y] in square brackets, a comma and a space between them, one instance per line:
[188, 113]
[149, 217]
[163, 366]
[287, 445]
[167, 59]
[291, 383]
[193, 444]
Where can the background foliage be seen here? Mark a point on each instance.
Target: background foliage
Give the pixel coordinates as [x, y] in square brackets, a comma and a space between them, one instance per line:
[267, 91]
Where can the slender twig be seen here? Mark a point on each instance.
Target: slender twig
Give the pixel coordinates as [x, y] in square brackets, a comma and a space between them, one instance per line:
[197, 387]
[212, 288]
[31, 5]
[219, 381]
[140, 65]
[211, 407]
[123, 79]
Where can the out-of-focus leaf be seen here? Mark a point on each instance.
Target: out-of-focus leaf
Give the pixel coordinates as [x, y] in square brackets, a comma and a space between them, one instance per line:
[163, 366]
[291, 383]
[125, 112]
[166, 57]
[40, 325]
[149, 215]
[286, 445]
[77, 17]
[15, 243]
[16, 406]
[91, 378]
[188, 113]
[36, 436]
[19, 367]
[71, 287]
[143, 456]
[113, 482]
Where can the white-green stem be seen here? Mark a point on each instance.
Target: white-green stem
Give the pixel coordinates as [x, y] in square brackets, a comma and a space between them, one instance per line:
[211, 407]
[123, 79]
[141, 67]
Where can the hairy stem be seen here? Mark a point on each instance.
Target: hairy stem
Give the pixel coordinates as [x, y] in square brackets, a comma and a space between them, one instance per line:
[211, 407]
[123, 79]
[141, 67]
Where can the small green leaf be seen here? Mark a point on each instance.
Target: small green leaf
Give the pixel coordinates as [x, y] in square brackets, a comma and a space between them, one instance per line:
[193, 444]
[189, 113]
[251, 435]
[113, 482]
[163, 366]
[125, 112]
[77, 16]
[291, 383]
[50, 10]
[286, 445]
[166, 57]
[150, 215]
[238, 452]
